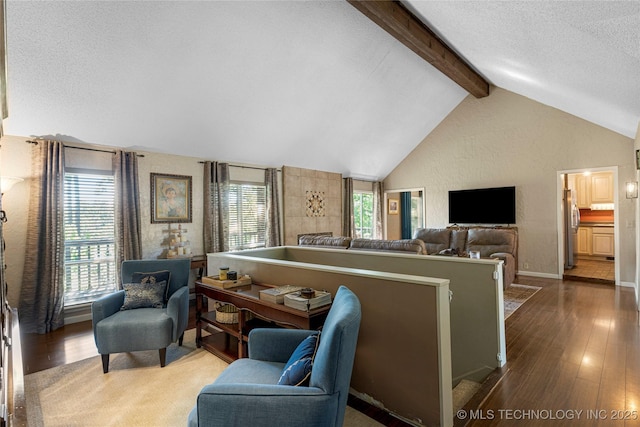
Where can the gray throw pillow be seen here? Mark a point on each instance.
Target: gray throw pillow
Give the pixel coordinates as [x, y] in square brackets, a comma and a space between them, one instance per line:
[153, 277]
[144, 295]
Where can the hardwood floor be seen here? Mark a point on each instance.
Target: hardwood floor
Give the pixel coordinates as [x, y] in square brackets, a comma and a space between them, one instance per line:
[573, 346]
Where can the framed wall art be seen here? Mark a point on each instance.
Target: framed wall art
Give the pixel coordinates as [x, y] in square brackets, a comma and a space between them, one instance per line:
[393, 206]
[170, 198]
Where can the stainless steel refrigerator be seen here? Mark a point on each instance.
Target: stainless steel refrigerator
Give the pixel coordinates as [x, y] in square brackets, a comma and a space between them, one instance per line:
[571, 224]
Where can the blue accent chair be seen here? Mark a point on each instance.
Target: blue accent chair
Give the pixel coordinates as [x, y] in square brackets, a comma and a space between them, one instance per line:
[246, 392]
[141, 329]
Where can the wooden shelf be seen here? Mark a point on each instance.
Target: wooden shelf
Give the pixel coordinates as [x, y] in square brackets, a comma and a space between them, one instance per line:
[222, 345]
[228, 340]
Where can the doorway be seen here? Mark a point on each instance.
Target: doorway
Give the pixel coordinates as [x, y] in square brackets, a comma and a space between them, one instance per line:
[588, 238]
[404, 213]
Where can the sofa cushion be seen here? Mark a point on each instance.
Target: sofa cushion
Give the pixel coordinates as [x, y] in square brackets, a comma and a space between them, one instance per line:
[435, 239]
[415, 246]
[489, 241]
[297, 370]
[459, 240]
[325, 241]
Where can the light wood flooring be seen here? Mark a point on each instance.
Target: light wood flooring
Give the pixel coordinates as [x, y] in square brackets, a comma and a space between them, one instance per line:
[573, 346]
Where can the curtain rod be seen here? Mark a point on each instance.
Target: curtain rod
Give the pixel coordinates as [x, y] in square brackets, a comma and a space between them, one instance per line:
[86, 148]
[245, 167]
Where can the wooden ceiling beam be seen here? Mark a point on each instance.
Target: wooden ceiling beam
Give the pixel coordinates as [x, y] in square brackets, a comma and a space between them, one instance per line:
[398, 21]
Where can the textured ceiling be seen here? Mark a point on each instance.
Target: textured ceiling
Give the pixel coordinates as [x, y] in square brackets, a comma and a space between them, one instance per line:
[307, 84]
[582, 57]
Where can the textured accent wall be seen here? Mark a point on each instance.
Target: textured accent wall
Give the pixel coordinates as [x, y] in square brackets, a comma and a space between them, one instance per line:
[508, 139]
[312, 202]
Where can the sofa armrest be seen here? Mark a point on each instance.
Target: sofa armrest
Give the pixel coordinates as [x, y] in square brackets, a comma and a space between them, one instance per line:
[178, 310]
[106, 306]
[255, 404]
[509, 267]
[275, 345]
[506, 257]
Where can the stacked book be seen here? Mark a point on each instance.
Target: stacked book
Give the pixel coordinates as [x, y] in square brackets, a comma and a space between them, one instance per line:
[276, 295]
[295, 300]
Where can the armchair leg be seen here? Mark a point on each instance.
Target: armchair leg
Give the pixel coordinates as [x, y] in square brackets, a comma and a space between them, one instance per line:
[180, 339]
[163, 356]
[105, 363]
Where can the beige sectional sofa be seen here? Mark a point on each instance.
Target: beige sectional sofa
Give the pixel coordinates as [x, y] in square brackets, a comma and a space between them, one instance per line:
[414, 246]
[324, 241]
[490, 242]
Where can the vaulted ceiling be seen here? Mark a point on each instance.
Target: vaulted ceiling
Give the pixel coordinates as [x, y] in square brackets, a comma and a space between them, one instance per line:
[312, 84]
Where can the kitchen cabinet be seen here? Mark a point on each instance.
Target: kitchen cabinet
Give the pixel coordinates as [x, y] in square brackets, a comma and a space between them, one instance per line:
[602, 187]
[603, 241]
[595, 188]
[584, 241]
[583, 191]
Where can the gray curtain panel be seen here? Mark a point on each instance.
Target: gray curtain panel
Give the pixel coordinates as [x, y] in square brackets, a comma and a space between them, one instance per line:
[216, 207]
[348, 225]
[128, 223]
[274, 232]
[41, 306]
[378, 209]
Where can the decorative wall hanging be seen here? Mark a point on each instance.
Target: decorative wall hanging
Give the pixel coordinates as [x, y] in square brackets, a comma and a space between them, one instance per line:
[393, 206]
[170, 198]
[315, 203]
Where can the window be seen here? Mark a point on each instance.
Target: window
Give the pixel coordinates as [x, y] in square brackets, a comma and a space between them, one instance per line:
[89, 236]
[417, 213]
[363, 215]
[247, 216]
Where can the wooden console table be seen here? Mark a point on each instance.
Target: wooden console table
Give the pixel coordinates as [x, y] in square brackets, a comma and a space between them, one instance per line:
[228, 341]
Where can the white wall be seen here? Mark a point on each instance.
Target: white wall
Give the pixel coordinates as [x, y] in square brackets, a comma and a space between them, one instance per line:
[637, 221]
[506, 139]
[15, 160]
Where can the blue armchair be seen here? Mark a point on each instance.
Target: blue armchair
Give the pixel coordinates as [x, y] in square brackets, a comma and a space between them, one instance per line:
[139, 329]
[246, 392]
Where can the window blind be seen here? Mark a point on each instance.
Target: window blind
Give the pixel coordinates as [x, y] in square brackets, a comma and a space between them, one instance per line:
[89, 236]
[247, 216]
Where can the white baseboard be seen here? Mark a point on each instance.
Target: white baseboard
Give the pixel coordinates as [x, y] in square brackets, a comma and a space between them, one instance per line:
[536, 274]
[77, 314]
[627, 284]
[555, 276]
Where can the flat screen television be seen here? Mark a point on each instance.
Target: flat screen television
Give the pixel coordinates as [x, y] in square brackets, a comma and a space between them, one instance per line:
[483, 206]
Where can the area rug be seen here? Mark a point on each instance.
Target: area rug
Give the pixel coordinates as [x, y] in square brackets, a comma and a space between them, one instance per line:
[135, 392]
[515, 295]
[463, 392]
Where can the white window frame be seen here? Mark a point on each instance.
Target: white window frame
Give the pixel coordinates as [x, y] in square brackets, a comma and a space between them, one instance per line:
[240, 212]
[91, 271]
[359, 233]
